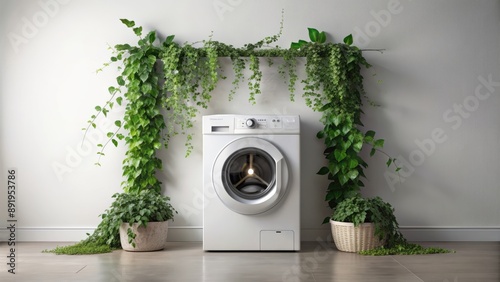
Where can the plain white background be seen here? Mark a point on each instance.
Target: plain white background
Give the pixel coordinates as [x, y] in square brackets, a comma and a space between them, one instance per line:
[437, 84]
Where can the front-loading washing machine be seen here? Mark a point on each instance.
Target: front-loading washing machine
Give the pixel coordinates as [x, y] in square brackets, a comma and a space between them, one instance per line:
[251, 183]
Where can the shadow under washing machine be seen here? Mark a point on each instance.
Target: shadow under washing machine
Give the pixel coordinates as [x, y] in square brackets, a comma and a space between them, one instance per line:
[251, 183]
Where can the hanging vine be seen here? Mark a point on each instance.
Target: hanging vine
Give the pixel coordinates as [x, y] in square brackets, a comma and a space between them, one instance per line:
[163, 85]
[167, 83]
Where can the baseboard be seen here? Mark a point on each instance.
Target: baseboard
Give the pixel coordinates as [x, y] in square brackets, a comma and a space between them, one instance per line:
[195, 234]
[48, 234]
[58, 234]
[427, 234]
[447, 233]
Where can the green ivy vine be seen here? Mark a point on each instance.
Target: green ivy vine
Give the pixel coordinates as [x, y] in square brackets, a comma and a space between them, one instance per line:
[163, 85]
[334, 87]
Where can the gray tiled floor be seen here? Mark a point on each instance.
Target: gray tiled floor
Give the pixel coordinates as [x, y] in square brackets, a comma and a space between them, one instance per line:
[186, 261]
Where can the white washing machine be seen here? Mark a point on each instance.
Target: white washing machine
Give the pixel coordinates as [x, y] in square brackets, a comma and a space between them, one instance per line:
[251, 183]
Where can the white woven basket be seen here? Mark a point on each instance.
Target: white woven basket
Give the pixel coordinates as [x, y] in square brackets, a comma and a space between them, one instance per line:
[349, 238]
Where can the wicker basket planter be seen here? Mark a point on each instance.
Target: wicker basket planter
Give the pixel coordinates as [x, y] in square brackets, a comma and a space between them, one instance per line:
[349, 238]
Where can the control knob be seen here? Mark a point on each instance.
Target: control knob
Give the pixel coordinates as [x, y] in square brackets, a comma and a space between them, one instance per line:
[251, 123]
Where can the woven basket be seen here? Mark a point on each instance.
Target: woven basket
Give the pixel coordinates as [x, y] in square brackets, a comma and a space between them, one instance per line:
[352, 239]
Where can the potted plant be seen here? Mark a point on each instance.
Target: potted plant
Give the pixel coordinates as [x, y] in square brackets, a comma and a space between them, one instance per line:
[141, 218]
[360, 224]
[368, 226]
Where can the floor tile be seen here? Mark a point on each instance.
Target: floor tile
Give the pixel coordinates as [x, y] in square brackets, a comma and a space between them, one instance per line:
[186, 261]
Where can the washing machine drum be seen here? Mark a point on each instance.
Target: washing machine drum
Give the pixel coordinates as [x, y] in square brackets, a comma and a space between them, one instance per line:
[250, 175]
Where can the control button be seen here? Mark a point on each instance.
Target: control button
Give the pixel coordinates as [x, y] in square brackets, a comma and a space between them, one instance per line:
[251, 123]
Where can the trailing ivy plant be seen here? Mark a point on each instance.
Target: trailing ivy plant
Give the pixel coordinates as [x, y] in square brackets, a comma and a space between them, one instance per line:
[142, 208]
[334, 87]
[359, 210]
[180, 79]
[163, 84]
[405, 248]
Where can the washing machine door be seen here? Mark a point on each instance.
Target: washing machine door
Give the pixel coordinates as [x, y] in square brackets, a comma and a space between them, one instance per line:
[250, 175]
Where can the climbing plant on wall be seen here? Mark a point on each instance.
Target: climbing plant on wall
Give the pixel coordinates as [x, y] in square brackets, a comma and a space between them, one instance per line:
[163, 84]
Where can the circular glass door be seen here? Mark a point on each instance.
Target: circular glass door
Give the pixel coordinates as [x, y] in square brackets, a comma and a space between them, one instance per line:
[250, 175]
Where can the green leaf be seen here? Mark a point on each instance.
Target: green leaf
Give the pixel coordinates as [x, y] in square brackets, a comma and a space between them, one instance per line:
[295, 45]
[343, 179]
[336, 120]
[119, 100]
[334, 169]
[351, 59]
[98, 108]
[330, 196]
[372, 152]
[340, 155]
[120, 80]
[379, 143]
[345, 145]
[322, 171]
[348, 39]
[357, 146]
[123, 47]
[322, 37]
[370, 133]
[146, 88]
[114, 142]
[352, 174]
[320, 134]
[128, 23]
[169, 39]
[353, 163]
[345, 129]
[144, 76]
[151, 37]
[313, 34]
[118, 123]
[334, 186]
[326, 220]
[389, 162]
[138, 30]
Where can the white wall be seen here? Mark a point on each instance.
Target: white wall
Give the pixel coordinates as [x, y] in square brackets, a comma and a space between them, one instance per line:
[438, 54]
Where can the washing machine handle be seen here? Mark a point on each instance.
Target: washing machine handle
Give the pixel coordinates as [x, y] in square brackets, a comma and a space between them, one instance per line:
[278, 176]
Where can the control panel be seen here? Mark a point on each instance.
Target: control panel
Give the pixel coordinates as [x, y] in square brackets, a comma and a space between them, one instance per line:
[251, 124]
[259, 122]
